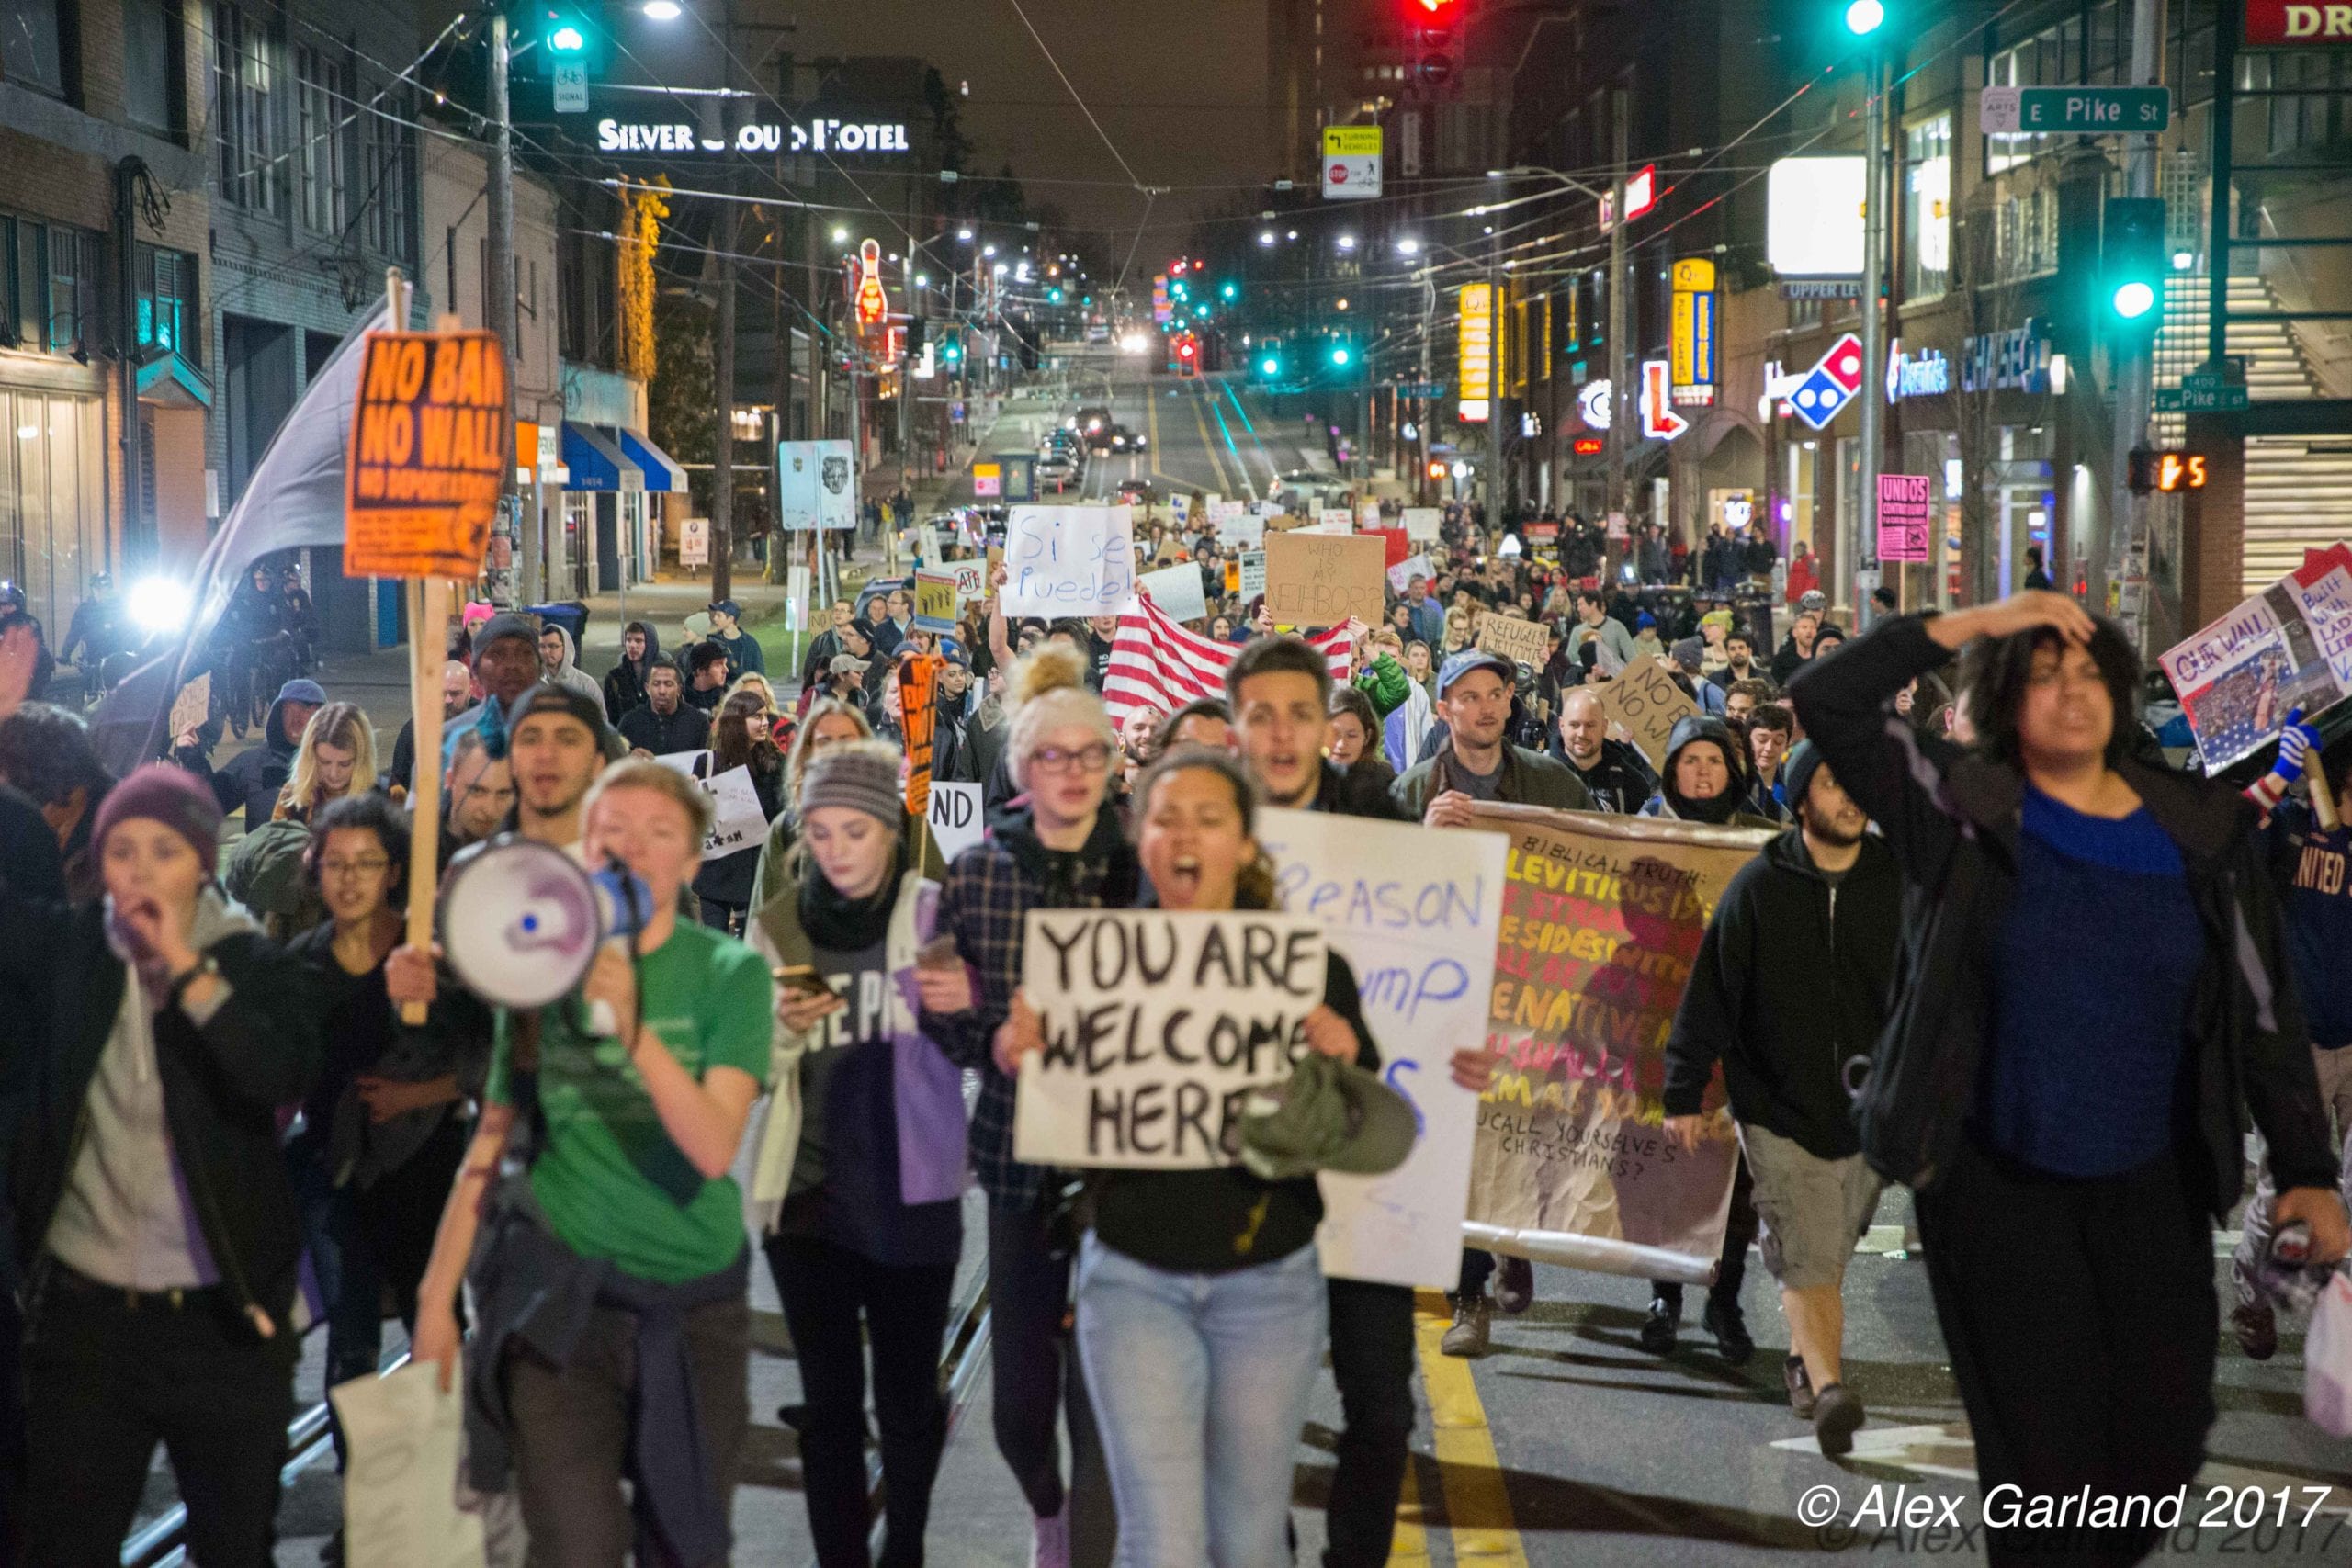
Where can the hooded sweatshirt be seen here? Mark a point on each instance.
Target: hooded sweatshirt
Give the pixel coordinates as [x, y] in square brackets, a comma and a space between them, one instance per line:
[567, 673]
[1724, 809]
[625, 686]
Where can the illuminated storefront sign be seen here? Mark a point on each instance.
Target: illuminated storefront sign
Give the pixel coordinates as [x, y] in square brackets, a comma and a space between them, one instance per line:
[808, 136]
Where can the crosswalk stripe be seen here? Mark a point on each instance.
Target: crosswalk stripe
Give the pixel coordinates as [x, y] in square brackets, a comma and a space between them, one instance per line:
[1470, 1472]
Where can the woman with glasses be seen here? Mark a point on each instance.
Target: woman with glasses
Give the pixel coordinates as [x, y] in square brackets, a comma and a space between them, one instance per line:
[385, 1125]
[1056, 848]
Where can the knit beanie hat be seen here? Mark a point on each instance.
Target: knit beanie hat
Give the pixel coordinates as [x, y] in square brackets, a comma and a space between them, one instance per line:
[1797, 770]
[174, 796]
[860, 775]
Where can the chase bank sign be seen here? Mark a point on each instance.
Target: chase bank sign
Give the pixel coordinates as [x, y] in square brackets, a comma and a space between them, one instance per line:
[807, 136]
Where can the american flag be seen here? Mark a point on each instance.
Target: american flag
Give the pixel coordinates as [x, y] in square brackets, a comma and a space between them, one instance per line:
[1155, 662]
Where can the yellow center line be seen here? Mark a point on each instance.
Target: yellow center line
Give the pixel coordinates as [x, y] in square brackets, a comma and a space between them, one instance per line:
[1470, 1472]
[1208, 449]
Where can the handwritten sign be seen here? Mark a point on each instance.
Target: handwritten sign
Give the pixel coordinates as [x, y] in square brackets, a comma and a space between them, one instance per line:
[2239, 677]
[1069, 561]
[694, 765]
[1335, 520]
[1245, 529]
[192, 706]
[1601, 916]
[1523, 641]
[1253, 574]
[1401, 575]
[1422, 524]
[1319, 580]
[955, 817]
[431, 441]
[737, 822]
[1416, 912]
[1177, 591]
[1645, 700]
[935, 601]
[1157, 1024]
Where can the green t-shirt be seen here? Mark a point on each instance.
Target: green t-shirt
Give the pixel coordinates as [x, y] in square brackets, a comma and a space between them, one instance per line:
[613, 1183]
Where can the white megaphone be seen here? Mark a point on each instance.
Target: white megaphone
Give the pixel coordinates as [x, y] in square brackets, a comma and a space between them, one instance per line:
[520, 921]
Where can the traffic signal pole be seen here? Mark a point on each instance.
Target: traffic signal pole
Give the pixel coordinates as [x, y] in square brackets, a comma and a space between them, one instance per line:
[1861, 538]
[1495, 379]
[498, 309]
[722, 489]
[2128, 520]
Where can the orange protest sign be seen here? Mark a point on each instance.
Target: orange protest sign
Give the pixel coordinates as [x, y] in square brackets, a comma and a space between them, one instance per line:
[917, 718]
[431, 441]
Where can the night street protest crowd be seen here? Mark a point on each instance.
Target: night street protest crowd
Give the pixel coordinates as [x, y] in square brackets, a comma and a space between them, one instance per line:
[209, 1103]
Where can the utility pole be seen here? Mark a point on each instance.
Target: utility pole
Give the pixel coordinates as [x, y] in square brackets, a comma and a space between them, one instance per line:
[1621, 390]
[498, 307]
[722, 488]
[2135, 372]
[1861, 539]
[1495, 377]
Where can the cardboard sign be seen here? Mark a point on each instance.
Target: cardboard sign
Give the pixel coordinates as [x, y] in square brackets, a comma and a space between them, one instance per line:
[1645, 700]
[1600, 915]
[1335, 520]
[936, 601]
[956, 817]
[432, 437]
[1415, 911]
[1524, 641]
[1157, 1024]
[919, 720]
[1319, 580]
[192, 706]
[2289, 647]
[1422, 524]
[1069, 561]
[1253, 574]
[399, 1485]
[1177, 590]
[1401, 575]
[737, 822]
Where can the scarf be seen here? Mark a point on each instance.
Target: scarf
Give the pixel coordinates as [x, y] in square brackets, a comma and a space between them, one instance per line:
[849, 925]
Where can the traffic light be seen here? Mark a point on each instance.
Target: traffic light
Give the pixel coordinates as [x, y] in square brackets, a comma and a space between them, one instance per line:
[1342, 355]
[1055, 295]
[1229, 290]
[1433, 31]
[567, 34]
[1864, 17]
[2132, 269]
[1188, 355]
[951, 350]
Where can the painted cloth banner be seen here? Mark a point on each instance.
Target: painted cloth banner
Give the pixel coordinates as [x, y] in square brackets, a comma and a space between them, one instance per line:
[1601, 920]
[1157, 1024]
[1414, 911]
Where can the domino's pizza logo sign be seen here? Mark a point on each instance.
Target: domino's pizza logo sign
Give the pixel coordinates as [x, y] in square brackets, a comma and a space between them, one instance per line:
[1830, 385]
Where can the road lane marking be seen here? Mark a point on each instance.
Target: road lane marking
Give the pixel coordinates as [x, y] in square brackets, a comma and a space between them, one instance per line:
[1409, 1547]
[1470, 1472]
[1208, 449]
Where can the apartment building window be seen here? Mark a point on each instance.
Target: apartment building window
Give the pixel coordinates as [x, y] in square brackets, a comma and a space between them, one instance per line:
[1927, 209]
[154, 66]
[321, 89]
[2305, 116]
[168, 312]
[389, 164]
[70, 313]
[245, 92]
[36, 40]
[49, 286]
[2025, 241]
[572, 264]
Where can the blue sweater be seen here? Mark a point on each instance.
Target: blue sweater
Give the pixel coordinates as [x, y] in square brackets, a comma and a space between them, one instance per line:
[2315, 883]
[2092, 976]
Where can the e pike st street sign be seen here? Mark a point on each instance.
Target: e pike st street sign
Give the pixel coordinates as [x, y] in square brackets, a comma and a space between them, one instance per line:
[2076, 111]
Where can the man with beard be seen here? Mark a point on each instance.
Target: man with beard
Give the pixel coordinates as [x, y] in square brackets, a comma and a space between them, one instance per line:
[1612, 771]
[825, 645]
[557, 750]
[1740, 657]
[666, 724]
[456, 693]
[1789, 992]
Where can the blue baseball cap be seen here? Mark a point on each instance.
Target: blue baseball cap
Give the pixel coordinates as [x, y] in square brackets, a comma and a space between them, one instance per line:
[952, 652]
[1471, 658]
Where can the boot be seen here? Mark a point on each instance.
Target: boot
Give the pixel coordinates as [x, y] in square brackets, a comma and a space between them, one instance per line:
[1472, 1326]
[1659, 1328]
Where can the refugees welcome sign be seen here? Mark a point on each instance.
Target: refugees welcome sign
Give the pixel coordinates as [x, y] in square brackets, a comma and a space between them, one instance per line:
[1157, 1024]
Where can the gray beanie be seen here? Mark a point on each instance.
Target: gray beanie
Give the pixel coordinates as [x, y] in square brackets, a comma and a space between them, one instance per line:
[860, 775]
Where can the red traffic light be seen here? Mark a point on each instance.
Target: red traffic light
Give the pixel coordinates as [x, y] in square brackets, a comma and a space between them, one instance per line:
[1439, 9]
[1184, 350]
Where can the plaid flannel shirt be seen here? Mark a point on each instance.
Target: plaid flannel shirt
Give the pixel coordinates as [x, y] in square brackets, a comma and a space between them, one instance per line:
[984, 904]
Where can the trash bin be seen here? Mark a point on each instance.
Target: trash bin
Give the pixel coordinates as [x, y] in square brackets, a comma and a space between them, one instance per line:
[571, 615]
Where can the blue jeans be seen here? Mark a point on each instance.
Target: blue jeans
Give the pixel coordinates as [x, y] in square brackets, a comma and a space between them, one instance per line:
[1200, 1384]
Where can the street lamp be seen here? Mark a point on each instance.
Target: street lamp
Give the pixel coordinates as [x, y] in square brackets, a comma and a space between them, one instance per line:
[1864, 16]
[841, 235]
[1409, 246]
[663, 10]
[1347, 242]
[964, 235]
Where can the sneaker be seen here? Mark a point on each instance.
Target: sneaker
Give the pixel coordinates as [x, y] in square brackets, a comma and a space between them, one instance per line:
[1473, 1320]
[1049, 1546]
[1836, 1417]
[1658, 1329]
[1799, 1383]
[2256, 1327]
[1515, 1287]
[1724, 1319]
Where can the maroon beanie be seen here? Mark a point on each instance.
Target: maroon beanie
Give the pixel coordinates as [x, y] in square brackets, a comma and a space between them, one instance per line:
[174, 796]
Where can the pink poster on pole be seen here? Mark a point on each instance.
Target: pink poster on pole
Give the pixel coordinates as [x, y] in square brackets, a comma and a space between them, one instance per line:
[1903, 517]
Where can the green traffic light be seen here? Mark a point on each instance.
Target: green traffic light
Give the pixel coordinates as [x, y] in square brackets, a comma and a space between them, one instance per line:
[2134, 298]
[1271, 366]
[565, 37]
[1340, 354]
[1229, 291]
[1864, 17]
[1055, 295]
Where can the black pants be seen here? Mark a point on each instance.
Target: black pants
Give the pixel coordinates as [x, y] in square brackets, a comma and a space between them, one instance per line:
[1029, 1351]
[837, 1302]
[1477, 1268]
[1372, 1360]
[1740, 1223]
[12, 1429]
[2082, 1322]
[108, 1379]
[383, 1237]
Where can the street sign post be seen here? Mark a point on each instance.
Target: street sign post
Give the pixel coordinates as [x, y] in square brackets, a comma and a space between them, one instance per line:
[2072, 111]
[1350, 162]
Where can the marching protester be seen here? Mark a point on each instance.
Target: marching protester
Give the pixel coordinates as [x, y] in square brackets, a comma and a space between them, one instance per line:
[1355, 742]
[1201, 1304]
[457, 695]
[253, 779]
[556, 750]
[1613, 773]
[635, 1093]
[1789, 992]
[825, 645]
[1475, 762]
[2067, 1089]
[561, 662]
[1062, 850]
[155, 1230]
[505, 666]
[45, 751]
[743, 650]
[665, 723]
[861, 1161]
[626, 683]
[477, 795]
[829, 723]
[1769, 728]
[706, 666]
[739, 739]
[336, 761]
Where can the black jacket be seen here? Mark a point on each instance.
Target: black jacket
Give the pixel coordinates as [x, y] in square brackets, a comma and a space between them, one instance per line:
[1789, 990]
[685, 728]
[1359, 791]
[222, 1086]
[1951, 816]
[253, 777]
[1618, 783]
[625, 682]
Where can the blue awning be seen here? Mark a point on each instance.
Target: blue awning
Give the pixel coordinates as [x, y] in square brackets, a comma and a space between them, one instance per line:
[660, 473]
[596, 463]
